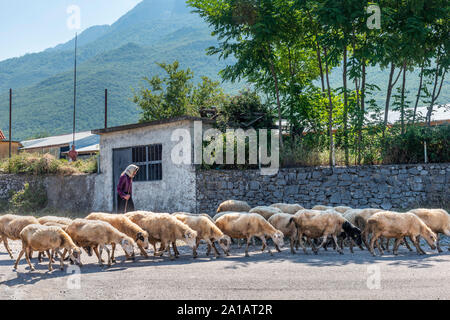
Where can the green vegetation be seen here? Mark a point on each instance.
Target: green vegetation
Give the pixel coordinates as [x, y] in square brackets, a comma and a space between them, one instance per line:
[38, 164]
[30, 198]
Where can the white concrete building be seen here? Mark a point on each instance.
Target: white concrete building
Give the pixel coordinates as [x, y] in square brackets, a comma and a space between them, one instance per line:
[160, 185]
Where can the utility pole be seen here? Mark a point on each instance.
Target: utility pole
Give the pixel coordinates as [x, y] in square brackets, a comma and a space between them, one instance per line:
[74, 89]
[106, 108]
[10, 120]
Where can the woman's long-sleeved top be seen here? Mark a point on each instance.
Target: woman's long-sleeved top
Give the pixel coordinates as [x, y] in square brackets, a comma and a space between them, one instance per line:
[124, 186]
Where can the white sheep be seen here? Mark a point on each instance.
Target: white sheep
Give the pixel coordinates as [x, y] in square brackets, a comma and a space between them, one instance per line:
[124, 225]
[321, 207]
[265, 211]
[97, 234]
[207, 231]
[238, 225]
[342, 209]
[287, 207]
[167, 229]
[285, 223]
[47, 238]
[11, 226]
[398, 225]
[233, 205]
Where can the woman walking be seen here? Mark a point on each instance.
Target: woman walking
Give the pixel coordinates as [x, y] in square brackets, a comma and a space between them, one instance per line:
[124, 189]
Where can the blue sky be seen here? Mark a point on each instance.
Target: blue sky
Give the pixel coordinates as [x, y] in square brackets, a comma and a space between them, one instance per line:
[28, 26]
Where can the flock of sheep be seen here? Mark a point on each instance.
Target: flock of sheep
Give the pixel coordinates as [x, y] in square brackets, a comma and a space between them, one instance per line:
[318, 226]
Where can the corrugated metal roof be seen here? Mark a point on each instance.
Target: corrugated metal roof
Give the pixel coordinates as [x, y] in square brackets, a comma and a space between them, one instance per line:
[82, 139]
[88, 149]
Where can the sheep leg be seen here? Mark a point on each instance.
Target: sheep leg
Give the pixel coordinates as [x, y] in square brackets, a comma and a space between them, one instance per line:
[302, 244]
[175, 249]
[416, 242]
[171, 257]
[407, 244]
[108, 253]
[351, 245]
[40, 254]
[211, 244]
[61, 260]
[239, 243]
[99, 255]
[292, 241]
[194, 249]
[263, 239]
[113, 249]
[18, 258]
[50, 260]
[372, 242]
[208, 250]
[365, 238]
[253, 242]
[325, 238]
[142, 250]
[246, 248]
[27, 256]
[5, 242]
[396, 245]
[339, 249]
[437, 243]
[215, 248]
[387, 244]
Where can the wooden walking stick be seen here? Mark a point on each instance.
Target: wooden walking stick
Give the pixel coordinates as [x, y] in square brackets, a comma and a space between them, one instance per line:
[126, 202]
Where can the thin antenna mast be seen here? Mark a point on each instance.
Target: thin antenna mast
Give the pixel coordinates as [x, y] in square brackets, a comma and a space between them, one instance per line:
[74, 89]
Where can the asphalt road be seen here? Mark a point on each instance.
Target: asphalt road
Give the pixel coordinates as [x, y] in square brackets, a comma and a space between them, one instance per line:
[327, 275]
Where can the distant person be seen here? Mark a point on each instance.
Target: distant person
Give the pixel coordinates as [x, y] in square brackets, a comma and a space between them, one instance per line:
[124, 189]
[73, 154]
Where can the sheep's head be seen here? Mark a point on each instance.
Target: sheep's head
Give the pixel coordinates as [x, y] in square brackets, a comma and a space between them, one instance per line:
[127, 246]
[225, 242]
[142, 239]
[75, 255]
[190, 237]
[430, 237]
[352, 232]
[278, 238]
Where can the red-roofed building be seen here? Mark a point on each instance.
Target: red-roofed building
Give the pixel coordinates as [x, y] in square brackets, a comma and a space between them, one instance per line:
[2, 136]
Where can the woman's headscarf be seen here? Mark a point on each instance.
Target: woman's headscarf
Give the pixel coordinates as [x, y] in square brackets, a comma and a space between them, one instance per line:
[130, 170]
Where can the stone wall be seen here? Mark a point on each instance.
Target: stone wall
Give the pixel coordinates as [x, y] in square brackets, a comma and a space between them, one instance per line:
[66, 193]
[396, 187]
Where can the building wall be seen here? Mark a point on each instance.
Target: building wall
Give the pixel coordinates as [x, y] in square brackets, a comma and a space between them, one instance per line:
[176, 190]
[395, 187]
[4, 149]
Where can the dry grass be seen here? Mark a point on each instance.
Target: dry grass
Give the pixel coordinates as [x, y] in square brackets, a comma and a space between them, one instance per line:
[38, 164]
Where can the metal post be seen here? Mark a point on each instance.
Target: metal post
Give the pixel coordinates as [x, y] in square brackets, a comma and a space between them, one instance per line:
[10, 120]
[106, 108]
[74, 89]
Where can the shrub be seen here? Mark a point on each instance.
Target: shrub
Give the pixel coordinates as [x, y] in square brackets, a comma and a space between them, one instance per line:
[30, 198]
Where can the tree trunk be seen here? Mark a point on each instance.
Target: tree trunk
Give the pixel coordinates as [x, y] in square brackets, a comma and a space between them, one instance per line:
[418, 94]
[391, 85]
[362, 113]
[344, 81]
[402, 104]
[435, 95]
[330, 114]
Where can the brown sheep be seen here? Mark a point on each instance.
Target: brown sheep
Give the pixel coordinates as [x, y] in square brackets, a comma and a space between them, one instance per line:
[321, 207]
[287, 207]
[238, 225]
[316, 224]
[59, 220]
[137, 216]
[265, 212]
[342, 209]
[124, 225]
[206, 230]
[11, 226]
[438, 220]
[398, 225]
[45, 238]
[167, 229]
[97, 234]
[194, 215]
[285, 223]
[233, 205]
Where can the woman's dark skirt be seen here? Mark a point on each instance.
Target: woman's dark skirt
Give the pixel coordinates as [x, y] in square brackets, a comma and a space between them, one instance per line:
[121, 205]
